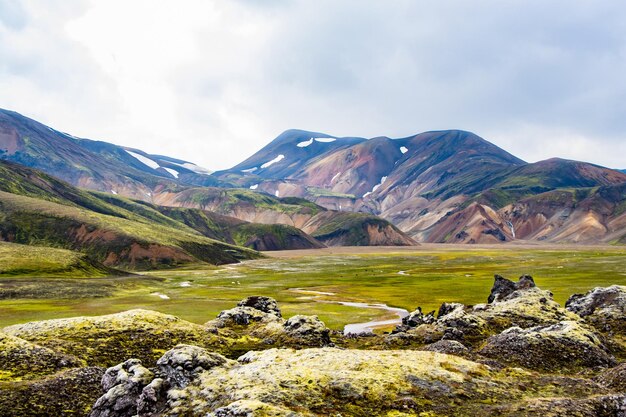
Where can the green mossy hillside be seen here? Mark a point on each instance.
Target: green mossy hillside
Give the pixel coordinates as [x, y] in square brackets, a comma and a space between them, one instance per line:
[26, 260]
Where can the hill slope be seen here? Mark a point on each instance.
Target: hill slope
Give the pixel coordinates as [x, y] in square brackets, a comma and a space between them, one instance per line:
[40, 210]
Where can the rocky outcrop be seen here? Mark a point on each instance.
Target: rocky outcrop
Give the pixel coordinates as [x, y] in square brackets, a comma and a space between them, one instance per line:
[567, 344]
[260, 318]
[503, 287]
[123, 385]
[414, 319]
[310, 329]
[510, 304]
[107, 340]
[265, 304]
[604, 308]
[328, 381]
[130, 389]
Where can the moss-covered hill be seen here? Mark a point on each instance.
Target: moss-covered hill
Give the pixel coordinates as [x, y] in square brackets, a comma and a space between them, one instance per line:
[25, 260]
[37, 209]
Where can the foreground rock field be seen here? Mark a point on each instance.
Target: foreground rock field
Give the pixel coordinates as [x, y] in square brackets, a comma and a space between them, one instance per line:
[519, 354]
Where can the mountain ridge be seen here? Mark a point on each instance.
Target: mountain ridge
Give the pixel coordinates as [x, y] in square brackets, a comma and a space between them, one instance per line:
[417, 183]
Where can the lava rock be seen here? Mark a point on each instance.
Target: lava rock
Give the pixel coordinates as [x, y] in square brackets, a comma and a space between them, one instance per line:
[604, 308]
[182, 364]
[564, 345]
[415, 319]
[243, 316]
[614, 378]
[310, 329]
[451, 347]
[261, 303]
[502, 287]
[123, 385]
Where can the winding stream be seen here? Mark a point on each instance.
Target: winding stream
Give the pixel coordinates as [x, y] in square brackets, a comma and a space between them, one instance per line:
[367, 327]
[359, 328]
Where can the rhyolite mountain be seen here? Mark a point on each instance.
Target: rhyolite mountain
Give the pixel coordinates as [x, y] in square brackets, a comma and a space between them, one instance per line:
[162, 180]
[443, 186]
[86, 163]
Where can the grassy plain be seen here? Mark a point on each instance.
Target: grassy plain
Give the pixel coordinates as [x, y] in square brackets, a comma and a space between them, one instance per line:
[401, 277]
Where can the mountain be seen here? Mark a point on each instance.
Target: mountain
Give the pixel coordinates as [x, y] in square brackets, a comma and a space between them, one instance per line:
[439, 186]
[167, 181]
[92, 164]
[442, 186]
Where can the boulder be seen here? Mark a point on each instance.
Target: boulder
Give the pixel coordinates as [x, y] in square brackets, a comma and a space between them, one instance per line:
[123, 385]
[309, 330]
[243, 316]
[604, 308]
[414, 319]
[450, 347]
[564, 345]
[182, 364]
[261, 303]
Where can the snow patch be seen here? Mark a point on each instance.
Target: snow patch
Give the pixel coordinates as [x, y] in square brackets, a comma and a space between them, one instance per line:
[113, 192]
[324, 140]
[247, 171]
[254, 187]
[273, 161]
[335, 177]
[277, 193]
[172, 171]
[194, 168]
[305, 143]
[382, 180]
[403, 149]
[146, 161]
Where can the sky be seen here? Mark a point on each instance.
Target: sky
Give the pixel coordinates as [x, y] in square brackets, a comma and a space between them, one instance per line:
[214, 81]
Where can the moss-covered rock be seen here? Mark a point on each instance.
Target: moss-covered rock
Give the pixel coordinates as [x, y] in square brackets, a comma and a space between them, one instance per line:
[20, 359]
[122, 384]
[565, 345]
[520, 304]
[68, 393]
[329, 381]
[614, 378]
[110, 339]
[256, 322]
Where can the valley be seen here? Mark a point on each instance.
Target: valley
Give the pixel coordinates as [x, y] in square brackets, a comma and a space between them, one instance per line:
[315, 281]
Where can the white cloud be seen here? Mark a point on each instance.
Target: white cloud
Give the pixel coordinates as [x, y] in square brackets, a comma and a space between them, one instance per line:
[212, 82]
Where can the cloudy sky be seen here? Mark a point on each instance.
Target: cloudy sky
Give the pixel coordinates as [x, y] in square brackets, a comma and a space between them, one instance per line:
[214, 81]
